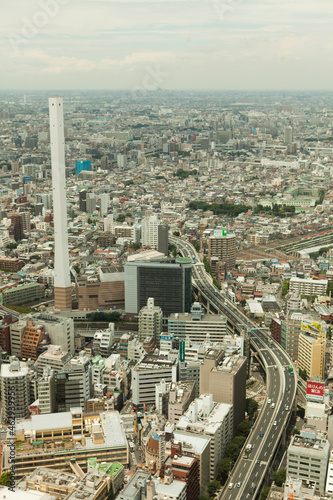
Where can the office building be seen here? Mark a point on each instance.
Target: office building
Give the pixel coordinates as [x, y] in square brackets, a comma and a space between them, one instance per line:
[16, 334]
[60, 330]
[16, 227]
[307, 457]
[288, 135]
[190, 370]
[168, 282]
[181, 395]
[225, 378]
[150, 321]
[91, 202]
[100, 436]
[104, 201]
[290, 332]
[214, 420]
[104, 290]
[311, 355]
[146, 374]
[163, 239]
[83, 200]
[74, 383]
[223, 246]
[46, 391]
[54, 357]
[62, 283]
[15, 383]
[197, 326]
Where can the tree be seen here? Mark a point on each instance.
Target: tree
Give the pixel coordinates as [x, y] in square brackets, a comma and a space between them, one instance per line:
[89, 220]
[251, 407]
[279, 477]
[176, 233]
[11, 245]
[264, 493]
[329, 332]
[244, 428]
[213, 487]
[196, 245]
[232, 450]
[223, 469]
[203, 497]
[5, 479]
[303, 374]
[296, 431]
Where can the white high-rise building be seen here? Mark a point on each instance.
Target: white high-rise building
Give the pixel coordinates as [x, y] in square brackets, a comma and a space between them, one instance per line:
[150, 231]
[108, 224]
[150, 321]
[62, 282]
[15, 390]
[104, 201]
[211, 419]
[46, 391]
[288, 135]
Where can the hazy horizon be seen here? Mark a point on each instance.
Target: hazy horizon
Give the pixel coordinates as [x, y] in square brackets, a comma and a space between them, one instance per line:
[217, 45]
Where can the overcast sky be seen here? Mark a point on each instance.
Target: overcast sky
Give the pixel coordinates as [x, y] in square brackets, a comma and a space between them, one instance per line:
[181, 44]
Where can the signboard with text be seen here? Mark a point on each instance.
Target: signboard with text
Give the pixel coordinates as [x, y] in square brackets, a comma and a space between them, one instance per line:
[315, 390]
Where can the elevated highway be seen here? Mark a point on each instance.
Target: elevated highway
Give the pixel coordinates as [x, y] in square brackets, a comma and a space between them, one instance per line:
[249, 473]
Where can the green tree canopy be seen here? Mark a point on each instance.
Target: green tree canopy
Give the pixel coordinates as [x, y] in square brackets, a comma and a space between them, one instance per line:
[213, 487]
[5, 479]
[279, 477]
[244, 428]
[223, 469]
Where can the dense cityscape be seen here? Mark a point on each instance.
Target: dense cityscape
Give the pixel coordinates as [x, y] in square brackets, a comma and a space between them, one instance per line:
[168, 336]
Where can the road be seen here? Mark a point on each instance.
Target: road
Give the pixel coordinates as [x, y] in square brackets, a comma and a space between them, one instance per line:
[281, 388]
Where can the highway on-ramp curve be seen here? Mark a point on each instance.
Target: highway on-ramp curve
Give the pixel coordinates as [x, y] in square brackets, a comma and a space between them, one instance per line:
[249, 472]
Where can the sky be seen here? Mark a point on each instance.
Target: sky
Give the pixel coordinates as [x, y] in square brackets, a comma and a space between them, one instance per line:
[170, 44]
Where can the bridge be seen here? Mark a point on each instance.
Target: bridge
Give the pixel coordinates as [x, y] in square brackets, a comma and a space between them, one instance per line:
[270, 427]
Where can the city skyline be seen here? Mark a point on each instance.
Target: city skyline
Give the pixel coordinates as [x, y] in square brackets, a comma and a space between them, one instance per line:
[217, 45]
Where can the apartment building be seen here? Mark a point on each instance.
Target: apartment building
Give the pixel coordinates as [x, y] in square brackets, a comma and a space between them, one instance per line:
[54, 357]
[308, 286]
[15, 384]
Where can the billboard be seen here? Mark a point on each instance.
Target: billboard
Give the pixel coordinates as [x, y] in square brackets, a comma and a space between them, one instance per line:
[182, 350]
[315, 390]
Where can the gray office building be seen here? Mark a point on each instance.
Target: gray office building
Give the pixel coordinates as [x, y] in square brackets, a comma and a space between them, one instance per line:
[167, 281]
[163, 238]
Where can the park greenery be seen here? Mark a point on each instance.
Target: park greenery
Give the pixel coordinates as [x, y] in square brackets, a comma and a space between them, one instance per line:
[109, 317]
[219, 208]
[183, 174]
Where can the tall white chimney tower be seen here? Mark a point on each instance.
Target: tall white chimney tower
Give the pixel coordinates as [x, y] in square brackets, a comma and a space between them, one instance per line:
[62, 283]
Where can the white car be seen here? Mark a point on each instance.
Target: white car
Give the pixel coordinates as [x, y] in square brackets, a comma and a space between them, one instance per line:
[275, 422]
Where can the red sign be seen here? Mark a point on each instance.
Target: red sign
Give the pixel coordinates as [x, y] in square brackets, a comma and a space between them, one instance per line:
[315, 389]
